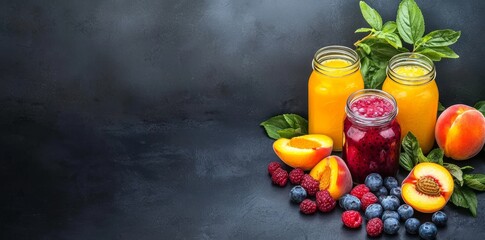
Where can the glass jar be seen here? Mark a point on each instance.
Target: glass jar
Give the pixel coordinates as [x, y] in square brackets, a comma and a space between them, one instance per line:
[371, 134]
[336, 74]
[411, 80]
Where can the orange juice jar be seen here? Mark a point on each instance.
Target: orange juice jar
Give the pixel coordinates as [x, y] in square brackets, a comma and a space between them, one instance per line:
[336, 75]
[411, 81]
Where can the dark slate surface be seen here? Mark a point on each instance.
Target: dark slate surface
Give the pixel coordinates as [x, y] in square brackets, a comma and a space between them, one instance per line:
[139, 119]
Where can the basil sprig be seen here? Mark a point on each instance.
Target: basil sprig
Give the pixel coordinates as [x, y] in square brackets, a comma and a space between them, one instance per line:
[385, 41]
[463, 194]
[285, 126]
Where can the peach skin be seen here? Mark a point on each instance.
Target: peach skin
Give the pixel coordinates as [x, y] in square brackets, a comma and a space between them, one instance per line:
[333, 175]
[303, 151]
[460, 131]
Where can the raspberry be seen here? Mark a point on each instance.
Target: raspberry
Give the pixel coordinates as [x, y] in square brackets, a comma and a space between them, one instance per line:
[374, 227]
[351, 219]
[368, 199]
[310, 184]
[308, 206]
[296, 175]
[272, 166]
[359, 190]
[325, 202]
[280, 177]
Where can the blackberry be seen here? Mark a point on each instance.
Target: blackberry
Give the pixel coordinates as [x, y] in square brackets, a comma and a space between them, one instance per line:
[297, 194]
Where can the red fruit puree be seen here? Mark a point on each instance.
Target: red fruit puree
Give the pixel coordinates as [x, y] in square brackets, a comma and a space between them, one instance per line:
[371, 135]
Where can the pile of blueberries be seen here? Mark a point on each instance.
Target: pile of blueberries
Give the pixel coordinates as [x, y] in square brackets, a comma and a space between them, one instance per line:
[390, 209]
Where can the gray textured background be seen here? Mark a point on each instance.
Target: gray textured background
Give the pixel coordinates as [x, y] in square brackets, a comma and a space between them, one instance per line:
[139, 119]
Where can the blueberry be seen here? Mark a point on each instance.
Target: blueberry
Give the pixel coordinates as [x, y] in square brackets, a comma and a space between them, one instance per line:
[390, 203]
[412, 225]
[373, 181]
[405, 211]
[390, 214]
[373, 211]
[391, 226]
[341, 200]
[350, 202]
[297, 194]
[390, 183]
[428, 231]
[439, 218]
[382, 191]
[396, 192]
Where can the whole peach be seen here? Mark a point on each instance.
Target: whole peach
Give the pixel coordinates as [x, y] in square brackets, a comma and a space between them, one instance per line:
[460, 131]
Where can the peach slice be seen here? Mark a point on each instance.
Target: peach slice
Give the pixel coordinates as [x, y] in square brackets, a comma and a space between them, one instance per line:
[428, 187]
[303, 151]
[333, 175]
[460, 131]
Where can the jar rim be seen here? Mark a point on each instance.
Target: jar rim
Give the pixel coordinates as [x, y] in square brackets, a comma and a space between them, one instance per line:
[336, 52]
[370, 121]
[414, 59]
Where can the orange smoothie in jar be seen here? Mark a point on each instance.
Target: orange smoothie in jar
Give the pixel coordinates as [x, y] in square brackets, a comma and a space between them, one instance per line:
[336, 75]
[411, 81]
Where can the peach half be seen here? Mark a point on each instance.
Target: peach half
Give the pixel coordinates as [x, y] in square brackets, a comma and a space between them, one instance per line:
[428, 187]
[333, 175]
[303, 151]
[460, 131]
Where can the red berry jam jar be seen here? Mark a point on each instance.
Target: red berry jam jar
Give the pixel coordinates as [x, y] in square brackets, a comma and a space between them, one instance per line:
[371, 138]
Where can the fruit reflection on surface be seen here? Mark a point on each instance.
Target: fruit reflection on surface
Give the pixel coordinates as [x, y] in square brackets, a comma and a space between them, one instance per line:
[428, 187]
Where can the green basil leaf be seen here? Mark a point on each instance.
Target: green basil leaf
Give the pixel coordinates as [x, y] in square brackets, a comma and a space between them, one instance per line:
[365, 47]
[480, 106]
[361, 30]
[436, 156]
[389, 27]
[410, 146]
[475, 181]
[391, 38]
[457, 197]
[406, 162]
[410, 21]
[371, 16]
[436, 53]
[441, 38]
[376, 80]
[471, 199]
[421, 157]
[455, 171]
[285, 121]
[465, 197]
[464, 168]
[290, 132]
[441, 108]
[364, 65]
